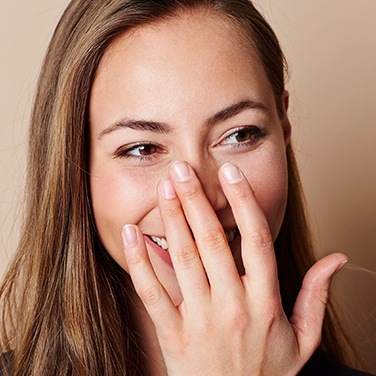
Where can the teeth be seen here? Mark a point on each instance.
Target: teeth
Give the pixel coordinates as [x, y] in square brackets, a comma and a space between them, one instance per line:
[230, 236]
[161, 242]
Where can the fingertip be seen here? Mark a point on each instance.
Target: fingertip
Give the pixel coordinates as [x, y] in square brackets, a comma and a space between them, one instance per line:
[325, 268]
[181, 171]
[166, 189]
[336, 261]
[341, 257]
[130, 235]
[231, 173]
[133, 247]
[341, 265]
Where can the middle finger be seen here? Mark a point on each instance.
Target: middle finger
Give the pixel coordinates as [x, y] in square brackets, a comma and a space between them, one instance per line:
[208, 232]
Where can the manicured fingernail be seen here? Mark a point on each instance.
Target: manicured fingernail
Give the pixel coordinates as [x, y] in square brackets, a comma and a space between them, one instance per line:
[341, 265]
[181, 172]
[167, 189]
[231, 173]
[130, 235]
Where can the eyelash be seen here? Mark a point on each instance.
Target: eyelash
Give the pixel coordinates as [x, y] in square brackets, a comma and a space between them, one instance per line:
[256, 135]
[124, 153]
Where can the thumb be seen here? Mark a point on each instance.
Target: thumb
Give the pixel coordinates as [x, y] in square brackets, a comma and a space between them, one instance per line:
[309, 310]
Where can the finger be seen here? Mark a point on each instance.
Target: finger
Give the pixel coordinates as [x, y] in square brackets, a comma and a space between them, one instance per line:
[309, 310]
[185, 257]
[154, 297]
[209, 235]
[257, 243]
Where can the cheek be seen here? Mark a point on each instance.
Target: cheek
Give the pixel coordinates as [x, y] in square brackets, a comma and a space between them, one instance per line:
[267, 174]
[119, 198]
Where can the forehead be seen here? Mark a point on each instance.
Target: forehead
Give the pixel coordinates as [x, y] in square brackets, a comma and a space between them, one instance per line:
[195, 28]
[194, 60]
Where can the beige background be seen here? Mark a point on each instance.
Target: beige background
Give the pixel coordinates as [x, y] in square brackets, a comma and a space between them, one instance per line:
[331, 49]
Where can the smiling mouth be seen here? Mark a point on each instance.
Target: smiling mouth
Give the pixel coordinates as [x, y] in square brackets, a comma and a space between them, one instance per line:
[162, 242]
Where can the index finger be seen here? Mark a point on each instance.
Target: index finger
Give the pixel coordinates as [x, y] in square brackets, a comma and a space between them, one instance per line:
[257, 242]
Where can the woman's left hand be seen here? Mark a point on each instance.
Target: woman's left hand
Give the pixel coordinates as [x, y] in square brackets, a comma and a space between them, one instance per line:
[227, 324]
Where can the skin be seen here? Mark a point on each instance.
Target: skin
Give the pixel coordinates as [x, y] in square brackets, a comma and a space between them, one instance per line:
[175, 73]
[180, 74]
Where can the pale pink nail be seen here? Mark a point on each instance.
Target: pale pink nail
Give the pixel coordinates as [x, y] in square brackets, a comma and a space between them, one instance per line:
[130, 235]
[167, 189]
[181, 172]
[231, 173]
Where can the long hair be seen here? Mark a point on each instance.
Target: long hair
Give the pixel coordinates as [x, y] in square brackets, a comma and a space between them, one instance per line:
[64, 302]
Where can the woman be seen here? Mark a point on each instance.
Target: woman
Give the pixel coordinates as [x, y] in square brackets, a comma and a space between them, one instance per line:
[163, 193]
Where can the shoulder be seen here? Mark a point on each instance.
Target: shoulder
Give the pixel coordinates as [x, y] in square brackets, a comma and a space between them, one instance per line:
[318, 365]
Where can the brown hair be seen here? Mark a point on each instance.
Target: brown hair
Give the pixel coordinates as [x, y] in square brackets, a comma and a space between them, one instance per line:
[64, 300]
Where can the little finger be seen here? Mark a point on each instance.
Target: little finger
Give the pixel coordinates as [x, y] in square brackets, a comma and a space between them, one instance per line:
[154, 297]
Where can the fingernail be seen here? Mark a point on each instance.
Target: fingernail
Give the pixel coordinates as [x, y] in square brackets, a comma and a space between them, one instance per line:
[181, 172]
[231, 173]
[130, 235]
[167, 189]
[341, 265]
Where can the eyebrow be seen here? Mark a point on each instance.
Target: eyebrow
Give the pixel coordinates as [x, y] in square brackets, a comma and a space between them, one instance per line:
[235, 109]
[137, 125]
[158, 127]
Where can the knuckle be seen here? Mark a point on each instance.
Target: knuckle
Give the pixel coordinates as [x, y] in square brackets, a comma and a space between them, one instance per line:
[262, 238]
[320, 293]
[323, 295]
[134, 257]
[175, 343]
[175, 346]
[192, 192]
[187, 257]
[240, 320]
[214, 240]
[150, 295]
[171, 212]
[240, 195]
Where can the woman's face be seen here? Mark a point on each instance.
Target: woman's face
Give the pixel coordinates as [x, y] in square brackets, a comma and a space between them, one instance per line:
[184, 89]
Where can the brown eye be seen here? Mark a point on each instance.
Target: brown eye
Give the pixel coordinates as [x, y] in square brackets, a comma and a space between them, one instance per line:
[243, 135]
[147, 149]
[140, 151]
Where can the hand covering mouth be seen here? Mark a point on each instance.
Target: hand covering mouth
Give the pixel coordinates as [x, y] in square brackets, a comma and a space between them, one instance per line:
[162, 242]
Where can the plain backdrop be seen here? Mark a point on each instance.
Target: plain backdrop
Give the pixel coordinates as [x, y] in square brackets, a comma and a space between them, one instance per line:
[331, 50]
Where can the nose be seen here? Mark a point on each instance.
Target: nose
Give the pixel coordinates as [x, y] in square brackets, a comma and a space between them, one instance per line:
[207, 173]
